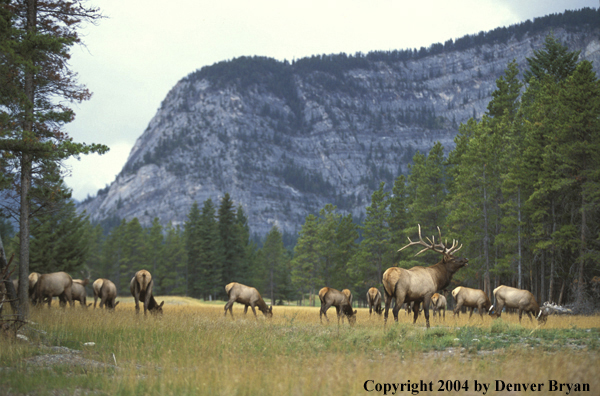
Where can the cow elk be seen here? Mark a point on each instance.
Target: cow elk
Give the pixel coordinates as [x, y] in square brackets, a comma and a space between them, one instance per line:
[141, 289]
[418, 284]
[438, 303]
[56, 284]
[106, 291]
[248, 296]
[332, 297]
[510, 297]
[470, 298]
[79, 293]
[374, 300]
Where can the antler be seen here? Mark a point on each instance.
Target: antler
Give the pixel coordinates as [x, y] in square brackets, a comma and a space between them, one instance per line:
[439, 247]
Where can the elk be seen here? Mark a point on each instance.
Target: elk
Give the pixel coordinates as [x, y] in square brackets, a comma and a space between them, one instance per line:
[78, 291]
[141, 290]
[248, 296]
[56, 284]
[106, 291]
[33, 278]
[418, 284]
[332, 297]
[470, 298]
[438, 303]
[510, 297]
[374, 300]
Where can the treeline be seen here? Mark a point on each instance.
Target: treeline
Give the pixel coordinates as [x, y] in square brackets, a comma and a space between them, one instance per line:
[277, 76]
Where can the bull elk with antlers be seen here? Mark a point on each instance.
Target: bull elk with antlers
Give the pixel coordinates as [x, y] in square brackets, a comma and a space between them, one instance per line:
[418, 284]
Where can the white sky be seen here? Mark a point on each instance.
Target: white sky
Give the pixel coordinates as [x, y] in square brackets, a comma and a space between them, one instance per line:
[133, 58]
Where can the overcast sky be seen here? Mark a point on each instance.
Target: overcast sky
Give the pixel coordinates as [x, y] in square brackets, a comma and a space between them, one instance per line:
[132, 58]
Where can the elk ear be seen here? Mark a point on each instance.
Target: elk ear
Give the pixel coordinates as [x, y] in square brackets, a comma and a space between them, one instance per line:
[355, 311]
[117, 303]
[161, 304]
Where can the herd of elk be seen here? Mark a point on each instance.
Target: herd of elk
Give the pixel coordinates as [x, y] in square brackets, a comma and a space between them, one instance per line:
[248, 296]
[418, 284]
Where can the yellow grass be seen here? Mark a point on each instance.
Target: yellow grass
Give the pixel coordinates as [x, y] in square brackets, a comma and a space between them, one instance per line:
[192, 349]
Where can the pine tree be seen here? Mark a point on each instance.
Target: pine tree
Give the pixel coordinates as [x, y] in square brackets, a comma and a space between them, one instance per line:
[369, 263]
[229, 238]
[195, 273]
[59, 240]
[304, 266]
[273, 254]
[554, 60]
[211, 256]
[154, 258]
[36, 86]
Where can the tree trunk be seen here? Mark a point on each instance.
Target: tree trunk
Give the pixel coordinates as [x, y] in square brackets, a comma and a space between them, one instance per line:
[580, 284]
[486, 240]
[552, 260]
[519, 265]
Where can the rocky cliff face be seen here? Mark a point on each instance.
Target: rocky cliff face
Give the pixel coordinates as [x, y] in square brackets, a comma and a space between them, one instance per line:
[285, 139]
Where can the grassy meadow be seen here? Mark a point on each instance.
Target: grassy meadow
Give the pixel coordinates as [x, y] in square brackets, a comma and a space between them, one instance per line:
[193, 350]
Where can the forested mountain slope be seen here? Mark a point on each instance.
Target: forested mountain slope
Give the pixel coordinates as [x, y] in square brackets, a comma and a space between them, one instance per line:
[284, 139]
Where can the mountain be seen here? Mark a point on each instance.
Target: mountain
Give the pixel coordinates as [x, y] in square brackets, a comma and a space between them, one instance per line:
[284, 139]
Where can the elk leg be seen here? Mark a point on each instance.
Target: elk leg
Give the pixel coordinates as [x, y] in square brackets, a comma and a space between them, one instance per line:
[471, 312]
[520, 314]
[457, 309]
[397, 307]
[253, 311]
[102, 301]
[529, 315]
[388, 302]
[136, 297]
[246, 310]
[426, 304]
[416, 312]
[228, 307]
[323, 311]
[444, 314]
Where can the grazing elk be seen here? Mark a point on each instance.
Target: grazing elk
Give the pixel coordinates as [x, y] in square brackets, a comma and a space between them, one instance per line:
[470, 298]
[141, 289]
[332, 297]
[374, 300]
[438, 303]
[78, 292]
[510, 297]
[248, 296]
[106, 290]
[418, 284]
[56, 284]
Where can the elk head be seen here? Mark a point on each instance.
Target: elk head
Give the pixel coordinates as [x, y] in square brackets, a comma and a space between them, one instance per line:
[451, 263]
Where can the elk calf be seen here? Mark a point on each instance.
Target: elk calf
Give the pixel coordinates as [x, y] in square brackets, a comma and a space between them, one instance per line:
[332, 297]
[106, 290]
[510, 297]
[470, 298]
[248, 296]
[374, 300]
[438, 303]
[141, 289]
